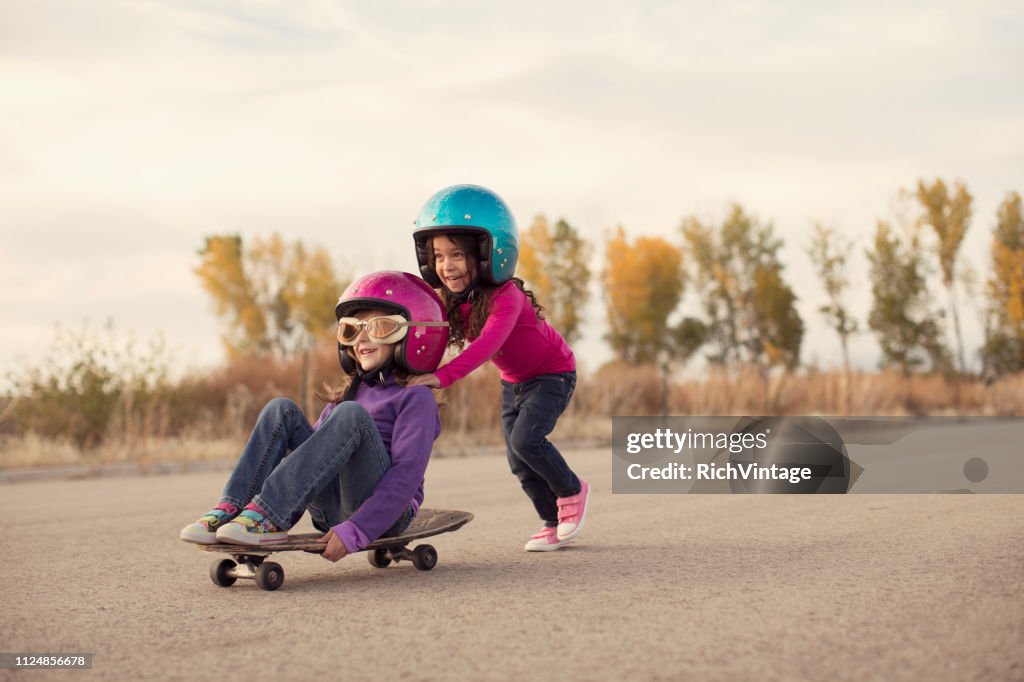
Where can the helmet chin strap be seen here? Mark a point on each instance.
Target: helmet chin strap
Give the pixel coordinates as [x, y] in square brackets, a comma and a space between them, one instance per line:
[377, 376]
[468, 294]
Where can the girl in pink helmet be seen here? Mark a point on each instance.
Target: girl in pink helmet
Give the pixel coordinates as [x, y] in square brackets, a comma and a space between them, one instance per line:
[359, 469]
[467, 244]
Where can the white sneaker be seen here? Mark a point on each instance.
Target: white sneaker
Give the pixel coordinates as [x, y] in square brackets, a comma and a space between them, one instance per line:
[251, 528]
[204, 531]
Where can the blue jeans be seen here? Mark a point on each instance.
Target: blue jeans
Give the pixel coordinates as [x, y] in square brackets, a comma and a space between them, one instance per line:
[286, 467]
[529, 411]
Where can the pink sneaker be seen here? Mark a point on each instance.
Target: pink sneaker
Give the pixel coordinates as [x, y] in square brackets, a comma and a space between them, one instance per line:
[545, 541]
[572, 511]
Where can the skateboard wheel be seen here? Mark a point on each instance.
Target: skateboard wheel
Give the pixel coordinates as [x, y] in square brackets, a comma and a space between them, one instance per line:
[269, 576]
[378, 558]
[424, 557]
[220, 572]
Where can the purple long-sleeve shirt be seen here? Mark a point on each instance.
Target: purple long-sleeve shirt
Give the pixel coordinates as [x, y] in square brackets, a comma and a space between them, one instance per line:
[409, 423]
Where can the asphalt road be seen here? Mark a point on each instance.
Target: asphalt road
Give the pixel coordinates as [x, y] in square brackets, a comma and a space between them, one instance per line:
[708, 587]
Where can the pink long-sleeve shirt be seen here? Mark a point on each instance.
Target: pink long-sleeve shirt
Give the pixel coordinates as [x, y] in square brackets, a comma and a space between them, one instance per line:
[519, 344]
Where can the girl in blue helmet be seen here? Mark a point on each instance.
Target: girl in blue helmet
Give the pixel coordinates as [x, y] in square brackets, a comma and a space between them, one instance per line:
[359, 469]
[467, 245]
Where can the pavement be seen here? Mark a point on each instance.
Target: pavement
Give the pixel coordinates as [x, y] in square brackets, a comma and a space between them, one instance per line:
[658, 587]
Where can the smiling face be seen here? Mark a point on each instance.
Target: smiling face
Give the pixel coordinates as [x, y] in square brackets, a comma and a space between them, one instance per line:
[368, 354]
[454, 262]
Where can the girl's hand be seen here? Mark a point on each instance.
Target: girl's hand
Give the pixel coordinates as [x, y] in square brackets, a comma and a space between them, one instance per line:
[335, 547]
[430, 380]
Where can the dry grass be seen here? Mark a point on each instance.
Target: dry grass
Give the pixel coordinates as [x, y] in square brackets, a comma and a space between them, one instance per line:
[209, 417]
[32, 450]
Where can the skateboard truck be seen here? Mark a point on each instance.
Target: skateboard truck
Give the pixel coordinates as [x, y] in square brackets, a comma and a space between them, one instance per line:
[423, 557]
[269, 575]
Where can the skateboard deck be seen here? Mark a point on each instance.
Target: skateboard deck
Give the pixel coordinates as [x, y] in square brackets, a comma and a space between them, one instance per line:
[248, 561]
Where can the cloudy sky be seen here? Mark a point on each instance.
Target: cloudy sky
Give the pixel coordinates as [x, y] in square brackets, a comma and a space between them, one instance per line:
[131, 129]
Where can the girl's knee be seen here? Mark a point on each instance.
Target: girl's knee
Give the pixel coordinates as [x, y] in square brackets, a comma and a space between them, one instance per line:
[348, 413]
[279, 406]
[350, 407]
[524, 442]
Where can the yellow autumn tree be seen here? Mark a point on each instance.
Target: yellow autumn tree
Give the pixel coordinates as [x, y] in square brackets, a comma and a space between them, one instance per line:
[1004, 342]
[273, 294]
[534, 244]
[643, 284]
[554, 266]
[948, 214]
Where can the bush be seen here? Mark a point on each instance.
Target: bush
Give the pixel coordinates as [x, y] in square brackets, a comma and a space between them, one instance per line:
[88, 383]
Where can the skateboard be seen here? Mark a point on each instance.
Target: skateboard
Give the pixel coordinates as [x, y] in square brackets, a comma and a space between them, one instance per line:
[248, 561]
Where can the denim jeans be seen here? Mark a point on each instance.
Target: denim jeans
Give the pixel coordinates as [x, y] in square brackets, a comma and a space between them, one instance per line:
[286, 467]
[529, 411]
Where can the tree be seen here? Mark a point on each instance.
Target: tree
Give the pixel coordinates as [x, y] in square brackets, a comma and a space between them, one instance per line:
[313, 289]
[272, 294]
[277, 297]
[643, 284]
[554, 265]
[949, 216]
[828, 252]
[222, 273]
[1004, 328]
[907, 328]
[751, 314]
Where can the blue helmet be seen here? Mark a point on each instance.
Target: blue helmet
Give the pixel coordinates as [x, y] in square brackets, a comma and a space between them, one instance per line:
[475, 210]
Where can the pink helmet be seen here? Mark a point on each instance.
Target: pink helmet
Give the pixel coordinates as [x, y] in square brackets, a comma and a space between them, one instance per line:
[400, 293]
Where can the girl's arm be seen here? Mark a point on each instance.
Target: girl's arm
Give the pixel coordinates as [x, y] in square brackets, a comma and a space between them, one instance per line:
[506, 307]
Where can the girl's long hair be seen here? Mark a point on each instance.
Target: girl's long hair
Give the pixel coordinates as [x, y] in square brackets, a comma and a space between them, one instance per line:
[460, 330]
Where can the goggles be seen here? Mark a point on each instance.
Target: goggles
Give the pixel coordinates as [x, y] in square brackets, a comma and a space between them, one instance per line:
[385, 329]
